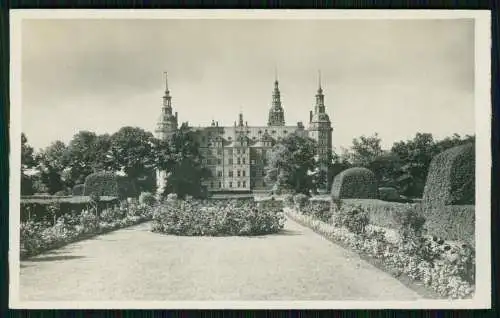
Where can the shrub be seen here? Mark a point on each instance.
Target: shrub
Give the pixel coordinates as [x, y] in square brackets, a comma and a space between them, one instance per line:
[300, 200]
[388, 194]
[78, 189]
[217, 218]
[451, 178]
[102, 184]
[410, 223]
[61, 193]
[355, 219]
[172, 197]
[318, 209]
[147, 198]
[355, 183]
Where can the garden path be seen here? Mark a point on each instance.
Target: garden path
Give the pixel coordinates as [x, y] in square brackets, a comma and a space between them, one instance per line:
[136, 264]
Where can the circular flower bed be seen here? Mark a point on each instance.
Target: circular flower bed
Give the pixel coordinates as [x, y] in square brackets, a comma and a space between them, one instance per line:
[218, 217]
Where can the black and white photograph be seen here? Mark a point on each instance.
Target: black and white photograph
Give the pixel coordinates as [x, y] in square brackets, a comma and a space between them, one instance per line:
[322, 159]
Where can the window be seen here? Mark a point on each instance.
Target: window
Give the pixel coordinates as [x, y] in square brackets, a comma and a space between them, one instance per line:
[219, 173]
[238, 174]
[263, 183]
[244, 184]
[263, 173]
[238, 151]
[239, 184]
[231, 173]
[239, 161]
[243, 160]
[230, 184]
[219, 152]
[211, 184]
[244, 172]
[285, 132]
[230, 161]
[220, 184]
[243, 150]
[252, 161]
[219, 161]
[230, 152]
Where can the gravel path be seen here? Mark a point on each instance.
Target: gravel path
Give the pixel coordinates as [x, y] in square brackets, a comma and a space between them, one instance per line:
[136, 264]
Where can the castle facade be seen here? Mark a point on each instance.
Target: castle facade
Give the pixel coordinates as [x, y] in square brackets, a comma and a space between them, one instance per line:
[237, 155]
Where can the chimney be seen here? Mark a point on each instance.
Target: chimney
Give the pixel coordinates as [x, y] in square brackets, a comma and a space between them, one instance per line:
[310, 116]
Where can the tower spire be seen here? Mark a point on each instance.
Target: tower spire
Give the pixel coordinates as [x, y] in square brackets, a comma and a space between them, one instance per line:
[275, 74]
[319, 79]
[166, 82]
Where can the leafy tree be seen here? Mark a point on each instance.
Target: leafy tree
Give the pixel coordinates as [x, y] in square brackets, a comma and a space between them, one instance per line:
[180, 157]
[51, 165]
[132, 151]
[291, 162]
[387, 169]
[364, 150]
[86, 153]
[27, 162]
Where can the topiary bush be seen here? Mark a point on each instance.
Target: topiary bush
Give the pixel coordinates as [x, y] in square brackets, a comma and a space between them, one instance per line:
[101, 184]
[451, 178]
[355, 183]
[78, 189]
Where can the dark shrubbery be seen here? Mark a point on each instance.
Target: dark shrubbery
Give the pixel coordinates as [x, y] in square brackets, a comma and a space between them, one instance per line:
[217, 218]
[451, 178]
[355, 183]
[388, 194]
[354, 218]
[102, 184]
[147, 198]
[78, 189]
[126, 188]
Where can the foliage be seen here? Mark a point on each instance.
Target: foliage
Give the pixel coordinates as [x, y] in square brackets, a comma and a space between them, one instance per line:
[410, 223]
[290, 162]
[132, 151]
[180, 157]
[320, 210]
[217, 218]
[364, 150]
[126, 188]
[355, 219]
[102, 184]
[357, 183]
[288, 200]
[147, 198]
[300, 200]
[452, 222]
[27, 162]
[388, 194]
[451, 178]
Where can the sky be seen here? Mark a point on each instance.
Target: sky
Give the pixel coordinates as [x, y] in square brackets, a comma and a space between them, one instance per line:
[391, 77]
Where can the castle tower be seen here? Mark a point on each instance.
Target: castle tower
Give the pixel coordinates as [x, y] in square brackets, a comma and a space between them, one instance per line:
[320, 128]
[167, 123]
[165, 127]
[276, 113]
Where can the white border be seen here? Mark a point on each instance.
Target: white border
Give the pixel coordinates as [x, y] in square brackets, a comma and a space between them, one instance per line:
[482, 297]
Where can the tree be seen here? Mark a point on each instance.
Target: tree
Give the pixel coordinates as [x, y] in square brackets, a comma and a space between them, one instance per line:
[27, 162]
[52, 165]
[131, 150]
[364, 150]
[291, 162]
[387, 169]
[86, 153]
[180, 157]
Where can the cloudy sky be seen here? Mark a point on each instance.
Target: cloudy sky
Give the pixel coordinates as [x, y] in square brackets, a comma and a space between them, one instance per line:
[395, 77]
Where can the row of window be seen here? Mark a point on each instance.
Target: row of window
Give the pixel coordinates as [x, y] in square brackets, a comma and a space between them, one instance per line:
[240, 173]
[230, 161]
[239, 184]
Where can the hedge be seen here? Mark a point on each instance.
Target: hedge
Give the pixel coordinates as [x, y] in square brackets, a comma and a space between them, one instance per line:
[355, 183]
[39, 209]
[78, 189]
[451, 178]
[451, 222]
[102, 184]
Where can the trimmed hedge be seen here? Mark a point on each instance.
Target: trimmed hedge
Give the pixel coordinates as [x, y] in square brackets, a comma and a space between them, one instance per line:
[102, 184]
[452, 222]
[78, 189]
[451, 178]
[355, 183]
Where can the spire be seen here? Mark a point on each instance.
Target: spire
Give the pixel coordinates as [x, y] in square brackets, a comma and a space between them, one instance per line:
[166, 84]
[319, 81]
[276, 113]
[275, 75]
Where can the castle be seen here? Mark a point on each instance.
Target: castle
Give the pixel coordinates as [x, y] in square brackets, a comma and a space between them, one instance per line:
[236, 156]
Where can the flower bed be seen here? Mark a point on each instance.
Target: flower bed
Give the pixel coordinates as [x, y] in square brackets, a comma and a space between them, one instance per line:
[218, 217]
[38, 237]
[447, 270]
